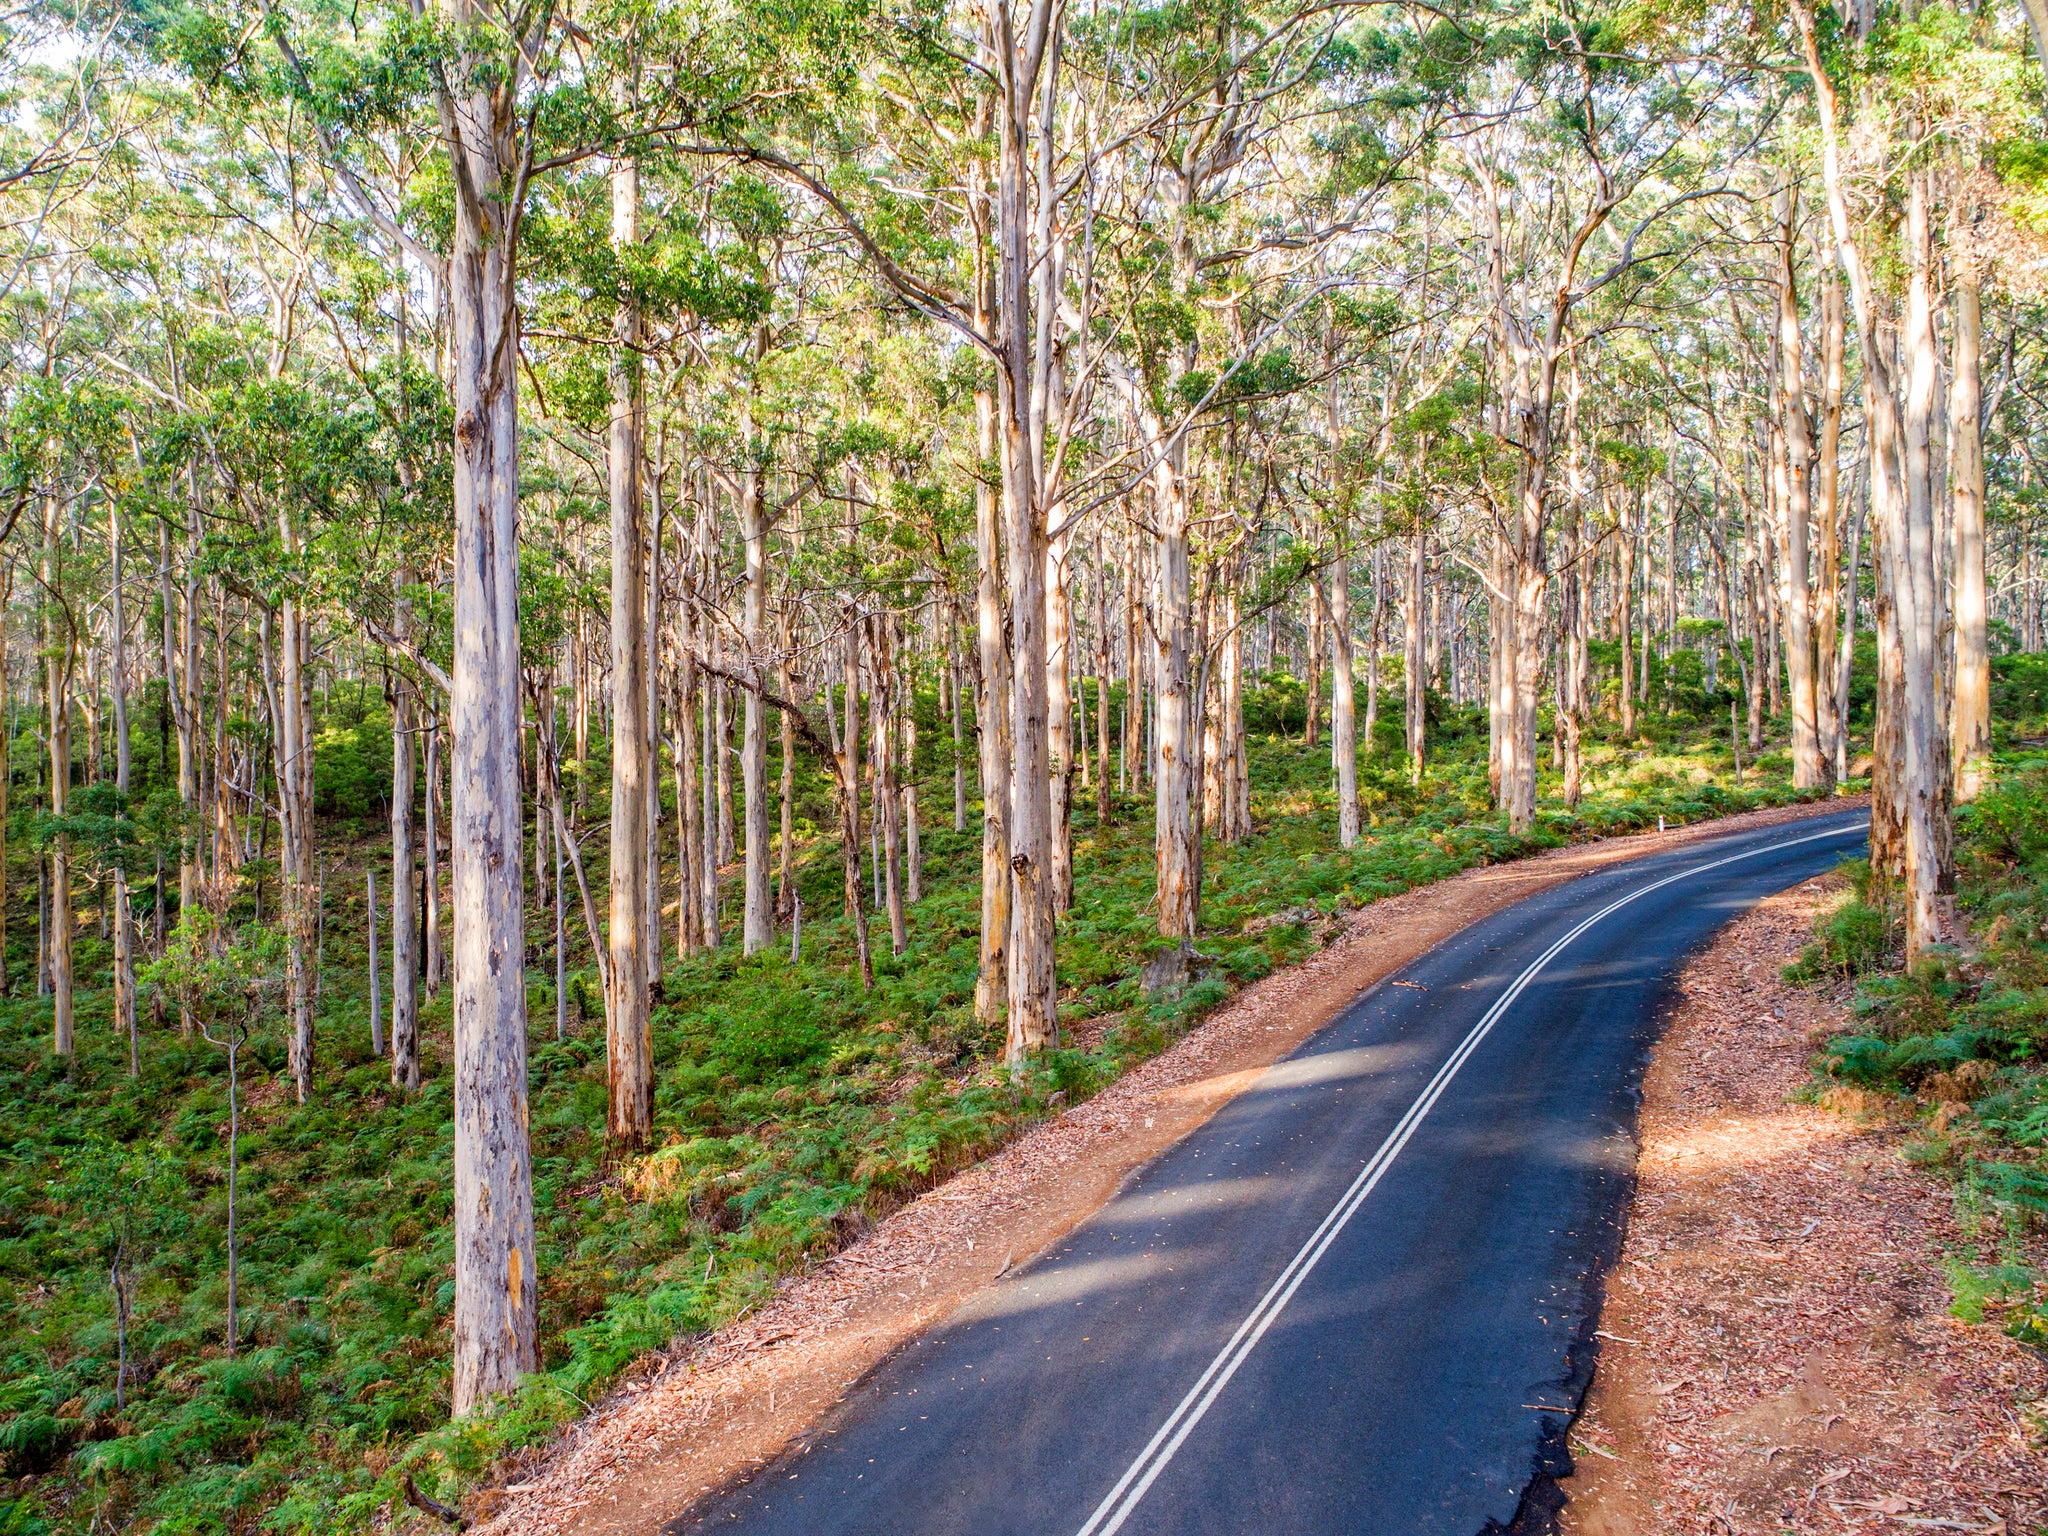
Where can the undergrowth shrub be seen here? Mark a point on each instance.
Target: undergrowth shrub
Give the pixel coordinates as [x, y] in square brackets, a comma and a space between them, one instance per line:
[1966, 1032]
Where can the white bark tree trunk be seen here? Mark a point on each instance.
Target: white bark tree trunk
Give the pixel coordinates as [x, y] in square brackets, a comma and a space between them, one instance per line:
[1972, 720]
[495, 1275]
[629, 1066]
[1343, 699]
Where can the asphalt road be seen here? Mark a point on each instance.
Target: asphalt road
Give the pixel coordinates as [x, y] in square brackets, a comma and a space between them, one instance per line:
[1361, 1299]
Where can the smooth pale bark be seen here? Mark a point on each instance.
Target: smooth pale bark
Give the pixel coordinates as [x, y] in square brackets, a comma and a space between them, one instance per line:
[1929, 787]
[650, 691]
[629, 1060]
[683, 754]
[1174, 832]
[284, 679]
[728, 840]
[1059, 717]
[757, 923]
[437, 957]
[913, 836]
[1129, 768]
[376, 978]
[1971, 723]
[1808, 769]
[1624, 599]
[1310, 726]
[405, 996]
[1022, 258]
[704, 806]
[495, 1273]
[888, 821]
[846, 783]
[1372, 651]
[1413, 663]
[1830, 709]
[57, 660]
[992, 723]
[954, 681]
[785, 892]
[180, 687]
[1910, 752]
[1343, 703]
[1102, 620]
[124, 919]
[1233, 772]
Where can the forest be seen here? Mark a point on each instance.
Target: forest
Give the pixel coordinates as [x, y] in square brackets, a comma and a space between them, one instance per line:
[630, 629]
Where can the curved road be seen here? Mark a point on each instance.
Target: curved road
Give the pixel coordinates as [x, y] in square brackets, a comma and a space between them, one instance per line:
[1360, 1299]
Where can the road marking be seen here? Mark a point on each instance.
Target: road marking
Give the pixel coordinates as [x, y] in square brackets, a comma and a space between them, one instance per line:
[1131, 1488]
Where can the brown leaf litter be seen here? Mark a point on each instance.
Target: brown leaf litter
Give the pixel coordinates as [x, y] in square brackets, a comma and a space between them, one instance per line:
[719, 1405]
[1777, 1353]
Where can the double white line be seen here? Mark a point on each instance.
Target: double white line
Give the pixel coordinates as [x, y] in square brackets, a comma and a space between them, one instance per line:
[1114, 1510]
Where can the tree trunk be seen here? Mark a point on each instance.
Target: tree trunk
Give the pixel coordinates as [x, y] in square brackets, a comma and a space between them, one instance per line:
[124, 920]
[888, 802]
[846, 758]
[437, 960]
[57, 652]
[953, 676]
[757, 922]
[1808, 769]
[1625, 592]
[992, 724]
[1413, 663]
[495, 1274]
[785, 893]
[1173, 786]
[1313, 704]
[913, 837]
[1343, 702]
[629, 1067]
[405, 1005]
[1830, 719]
[1972, 720]
[376, 980]
[1059, 718]
[1102, 787]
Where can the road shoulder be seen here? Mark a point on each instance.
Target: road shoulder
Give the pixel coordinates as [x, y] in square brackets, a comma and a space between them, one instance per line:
[718, 1406]
[1776, 1350]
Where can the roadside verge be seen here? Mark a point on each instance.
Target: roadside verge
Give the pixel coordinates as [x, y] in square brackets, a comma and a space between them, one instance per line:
[1776, 1349]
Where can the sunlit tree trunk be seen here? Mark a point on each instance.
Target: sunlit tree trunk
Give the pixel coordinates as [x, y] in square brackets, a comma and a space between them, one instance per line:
[57, 654]
[495, 1275]
[1830, 711]
[1808, 769]
[1972, 719]
[1102, 623]
[992, 722]
[1059, 717]
[405, 1020]
[124, 919]
[629, 1067]
[888, 804]
[1413, 661]
[1173, 747]
[1343, 702]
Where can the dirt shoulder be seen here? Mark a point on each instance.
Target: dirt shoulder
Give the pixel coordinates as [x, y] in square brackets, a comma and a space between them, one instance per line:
[1776, 1350]
[724, 1403]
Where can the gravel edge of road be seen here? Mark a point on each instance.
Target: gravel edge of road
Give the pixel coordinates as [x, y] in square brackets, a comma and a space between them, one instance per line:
[1776, 1352]
[714, 1408]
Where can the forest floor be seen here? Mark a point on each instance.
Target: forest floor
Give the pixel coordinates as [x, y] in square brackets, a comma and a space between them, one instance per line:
[690, 1420]
[1779, 1350]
